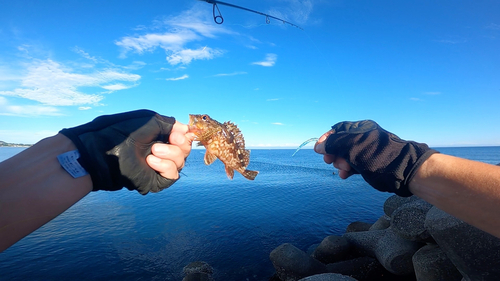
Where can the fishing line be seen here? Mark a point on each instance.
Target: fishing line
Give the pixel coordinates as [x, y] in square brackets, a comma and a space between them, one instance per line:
[218, 19]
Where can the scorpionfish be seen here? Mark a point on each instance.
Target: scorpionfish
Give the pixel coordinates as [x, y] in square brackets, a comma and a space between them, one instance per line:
[223, 141]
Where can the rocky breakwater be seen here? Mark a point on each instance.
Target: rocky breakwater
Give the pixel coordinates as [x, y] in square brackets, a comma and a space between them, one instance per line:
[413, 240]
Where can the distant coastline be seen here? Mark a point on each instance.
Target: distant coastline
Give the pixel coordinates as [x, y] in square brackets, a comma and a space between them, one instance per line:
[6, 144]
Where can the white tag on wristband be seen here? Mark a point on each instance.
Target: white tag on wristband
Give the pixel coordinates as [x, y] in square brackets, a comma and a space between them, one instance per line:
[69, 161]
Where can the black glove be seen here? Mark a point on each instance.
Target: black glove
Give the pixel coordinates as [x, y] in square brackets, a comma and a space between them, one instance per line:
[385, 161]
[113, 150]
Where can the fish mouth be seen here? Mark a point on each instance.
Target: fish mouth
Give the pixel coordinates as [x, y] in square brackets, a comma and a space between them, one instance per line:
[191, 127]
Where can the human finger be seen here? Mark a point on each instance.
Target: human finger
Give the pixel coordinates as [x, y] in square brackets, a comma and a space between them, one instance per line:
[169, 152]
[345, 169]
[181, 137]
[319, 147]
[165, 167]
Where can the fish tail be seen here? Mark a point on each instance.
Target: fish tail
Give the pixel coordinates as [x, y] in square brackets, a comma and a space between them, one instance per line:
[250, 174]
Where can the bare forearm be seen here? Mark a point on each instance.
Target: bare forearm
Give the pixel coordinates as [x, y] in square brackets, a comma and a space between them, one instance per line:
[466, 189]
[34, 189]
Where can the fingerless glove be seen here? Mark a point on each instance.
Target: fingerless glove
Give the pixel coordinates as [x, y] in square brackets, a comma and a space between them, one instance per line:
[385, 161]
[113, 150]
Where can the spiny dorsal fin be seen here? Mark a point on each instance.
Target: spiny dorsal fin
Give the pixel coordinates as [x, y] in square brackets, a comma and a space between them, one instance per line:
[235, 131]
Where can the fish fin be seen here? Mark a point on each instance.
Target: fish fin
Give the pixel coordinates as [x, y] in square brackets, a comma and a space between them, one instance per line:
[246, 157]
[250, 174]
[229, 172]
[209, 158]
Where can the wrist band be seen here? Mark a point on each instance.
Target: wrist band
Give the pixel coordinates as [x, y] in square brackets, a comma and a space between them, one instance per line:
[69, 161]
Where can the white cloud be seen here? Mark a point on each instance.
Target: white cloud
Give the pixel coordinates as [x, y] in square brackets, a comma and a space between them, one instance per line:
[493, 26]
[116, 87]
[268, 62]
[52, 83]
[272, 99]
[294, 11]
[84, 108]
[26, 110]
[185, 76]
[278, 123]
[192, 25]
[187, 55]
[230, 74]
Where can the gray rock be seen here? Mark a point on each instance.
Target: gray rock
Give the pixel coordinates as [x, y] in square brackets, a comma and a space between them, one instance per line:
[198, 267]
[408, 221]
[198, 271]
[358, 226]
[363, 268]
[395, 253]
[392, 251]
[293, 264]
[432, 264]
[332, 249]
[363, 243]
[197, 276]
[311, 249]
[328, 277]
[475, 253]
[394, 202]
[382, 223]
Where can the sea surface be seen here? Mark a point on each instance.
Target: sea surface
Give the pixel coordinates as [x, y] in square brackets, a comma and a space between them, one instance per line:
[231, 224]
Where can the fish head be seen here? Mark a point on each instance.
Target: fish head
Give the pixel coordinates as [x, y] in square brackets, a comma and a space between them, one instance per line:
[198, 123]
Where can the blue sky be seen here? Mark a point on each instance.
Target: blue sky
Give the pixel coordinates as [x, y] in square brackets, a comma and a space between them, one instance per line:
[426, 70]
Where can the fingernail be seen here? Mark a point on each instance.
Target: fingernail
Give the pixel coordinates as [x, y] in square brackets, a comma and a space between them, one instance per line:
[160, 148]
[154, 160]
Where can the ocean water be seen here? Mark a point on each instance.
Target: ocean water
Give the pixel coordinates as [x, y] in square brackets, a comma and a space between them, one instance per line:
[231, 224]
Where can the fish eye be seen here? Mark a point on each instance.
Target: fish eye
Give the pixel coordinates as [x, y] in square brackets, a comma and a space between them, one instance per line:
[204, 117]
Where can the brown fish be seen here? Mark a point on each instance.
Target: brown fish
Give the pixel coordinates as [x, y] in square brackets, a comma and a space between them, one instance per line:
[223, 141]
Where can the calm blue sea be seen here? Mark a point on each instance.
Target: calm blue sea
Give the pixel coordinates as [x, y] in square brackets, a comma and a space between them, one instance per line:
[232, 225]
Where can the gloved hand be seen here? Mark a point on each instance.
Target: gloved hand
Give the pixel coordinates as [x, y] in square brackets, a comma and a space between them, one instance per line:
[113, 150]
[385, 161]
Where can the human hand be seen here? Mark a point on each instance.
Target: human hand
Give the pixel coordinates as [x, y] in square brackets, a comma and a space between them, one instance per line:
[340, 163]
[114, 148]
[169, 159]
[385, 161]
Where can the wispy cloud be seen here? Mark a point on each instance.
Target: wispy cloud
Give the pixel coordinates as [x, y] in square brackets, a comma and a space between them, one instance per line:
[295, 11]
[426, 94]
[230, 74]
[272, 99]
[185, 56]
[452, 41]
[185, 76]
[52, 83]
[268, 62]
[278, 123]
[493, 26]
[190, 26]
[26, 110]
